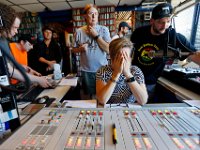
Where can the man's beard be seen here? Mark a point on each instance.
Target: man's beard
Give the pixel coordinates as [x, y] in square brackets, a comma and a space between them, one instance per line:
[157, 31]
[124, 33]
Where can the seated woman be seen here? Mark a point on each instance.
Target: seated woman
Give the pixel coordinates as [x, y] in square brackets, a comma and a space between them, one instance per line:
[120, 82]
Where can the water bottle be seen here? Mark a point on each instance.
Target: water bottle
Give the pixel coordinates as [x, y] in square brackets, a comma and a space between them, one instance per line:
[57, 72]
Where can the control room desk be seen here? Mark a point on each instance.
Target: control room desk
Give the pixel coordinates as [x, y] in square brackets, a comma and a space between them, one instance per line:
[58, 93]
[179, 91]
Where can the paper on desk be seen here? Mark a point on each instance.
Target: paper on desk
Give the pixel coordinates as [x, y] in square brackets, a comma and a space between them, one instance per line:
[130, 105]
[71, 81]
[22, 105]
[80, 103]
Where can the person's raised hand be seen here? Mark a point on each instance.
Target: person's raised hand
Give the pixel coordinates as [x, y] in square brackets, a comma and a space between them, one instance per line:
[127, 64]
[92, 31]
[117, 63]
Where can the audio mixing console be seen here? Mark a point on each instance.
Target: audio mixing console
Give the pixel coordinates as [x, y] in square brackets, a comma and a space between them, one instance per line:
[154, 128]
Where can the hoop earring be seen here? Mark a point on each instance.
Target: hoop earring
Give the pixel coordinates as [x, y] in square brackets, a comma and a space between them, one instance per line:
[1, 22]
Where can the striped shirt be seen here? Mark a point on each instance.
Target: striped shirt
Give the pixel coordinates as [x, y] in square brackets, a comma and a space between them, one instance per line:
[122, 92]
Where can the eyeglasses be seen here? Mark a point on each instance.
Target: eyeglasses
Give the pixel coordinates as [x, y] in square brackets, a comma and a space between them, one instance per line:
[112, 105]
[92, 13]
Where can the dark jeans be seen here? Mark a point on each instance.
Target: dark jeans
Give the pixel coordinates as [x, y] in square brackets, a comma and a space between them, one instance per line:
[89, 82]
[151, 89]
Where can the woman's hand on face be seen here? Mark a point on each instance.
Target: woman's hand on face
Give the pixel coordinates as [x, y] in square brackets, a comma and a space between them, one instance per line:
[117, 63]
[127, 64]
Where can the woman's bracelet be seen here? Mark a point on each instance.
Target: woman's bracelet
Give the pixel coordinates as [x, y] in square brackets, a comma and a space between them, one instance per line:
[132, 79]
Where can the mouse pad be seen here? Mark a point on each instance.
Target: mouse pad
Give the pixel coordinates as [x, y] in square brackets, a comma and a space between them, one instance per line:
[48, 101]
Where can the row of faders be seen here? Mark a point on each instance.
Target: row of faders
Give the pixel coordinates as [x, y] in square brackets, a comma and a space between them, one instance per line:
[138, 130]
[181, 131]
[88, 131]
[175, 127]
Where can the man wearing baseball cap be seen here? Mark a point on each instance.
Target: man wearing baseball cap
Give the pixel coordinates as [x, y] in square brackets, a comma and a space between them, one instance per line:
[122, 30]
[161, 11]
[157, 37]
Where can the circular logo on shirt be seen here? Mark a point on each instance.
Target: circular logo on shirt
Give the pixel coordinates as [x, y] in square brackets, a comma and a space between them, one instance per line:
[146, 53]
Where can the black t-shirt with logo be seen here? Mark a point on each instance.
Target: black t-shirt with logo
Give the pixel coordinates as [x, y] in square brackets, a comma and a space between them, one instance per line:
[144, 42]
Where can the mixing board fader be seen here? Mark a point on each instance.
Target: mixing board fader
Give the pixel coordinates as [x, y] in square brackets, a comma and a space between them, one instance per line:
[87, 131]
[94, 129]
[179, 128]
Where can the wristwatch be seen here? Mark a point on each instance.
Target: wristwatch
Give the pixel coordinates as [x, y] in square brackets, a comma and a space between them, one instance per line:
[132, 79]
[96, 37]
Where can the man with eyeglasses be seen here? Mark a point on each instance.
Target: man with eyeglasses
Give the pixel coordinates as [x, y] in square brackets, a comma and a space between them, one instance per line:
[156, 38]
[20, 52]
[92, 42]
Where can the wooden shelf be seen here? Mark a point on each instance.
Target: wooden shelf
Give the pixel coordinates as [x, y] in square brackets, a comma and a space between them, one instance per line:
[30, 25]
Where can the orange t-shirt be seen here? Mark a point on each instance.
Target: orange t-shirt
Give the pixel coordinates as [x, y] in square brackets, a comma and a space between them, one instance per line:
[19, 55]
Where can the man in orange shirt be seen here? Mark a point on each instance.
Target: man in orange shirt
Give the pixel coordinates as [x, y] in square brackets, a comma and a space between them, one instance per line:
[19, 51]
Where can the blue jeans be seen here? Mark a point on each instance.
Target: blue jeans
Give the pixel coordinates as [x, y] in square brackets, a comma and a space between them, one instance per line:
[151, 89]
[89, 82]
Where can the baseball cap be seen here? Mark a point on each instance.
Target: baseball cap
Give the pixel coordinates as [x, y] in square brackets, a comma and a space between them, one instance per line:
[161, 11]
[124, 24]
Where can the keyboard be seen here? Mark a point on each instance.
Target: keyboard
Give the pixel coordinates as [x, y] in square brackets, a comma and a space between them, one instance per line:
[30, 95]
